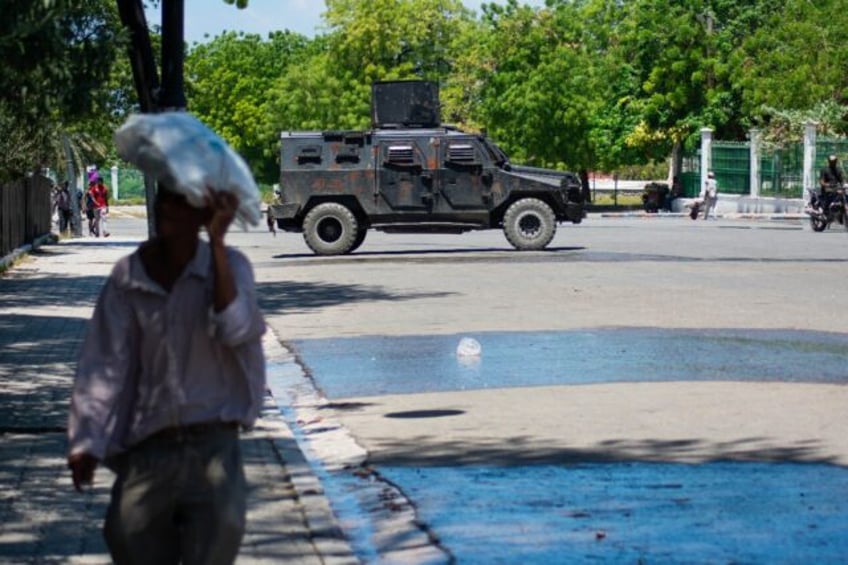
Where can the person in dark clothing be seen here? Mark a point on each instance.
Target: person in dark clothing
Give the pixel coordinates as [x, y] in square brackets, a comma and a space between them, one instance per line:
[830, 179]
[62, 201]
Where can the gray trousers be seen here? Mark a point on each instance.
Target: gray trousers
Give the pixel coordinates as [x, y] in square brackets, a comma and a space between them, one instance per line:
[709, 205]
[178, 499]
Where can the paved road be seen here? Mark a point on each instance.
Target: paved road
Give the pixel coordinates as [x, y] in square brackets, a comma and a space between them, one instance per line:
[606, 275]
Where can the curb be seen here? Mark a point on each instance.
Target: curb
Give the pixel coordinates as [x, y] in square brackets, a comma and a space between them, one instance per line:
[727, 216]
[8, 260]
[326, 534]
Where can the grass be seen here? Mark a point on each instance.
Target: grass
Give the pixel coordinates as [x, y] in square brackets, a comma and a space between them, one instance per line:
[624, 199]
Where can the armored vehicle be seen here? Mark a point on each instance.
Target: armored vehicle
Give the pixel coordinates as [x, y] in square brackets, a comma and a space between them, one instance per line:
[409, 173]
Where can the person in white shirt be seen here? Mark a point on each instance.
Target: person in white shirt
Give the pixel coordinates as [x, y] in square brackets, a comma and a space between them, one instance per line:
[170, 369]
[709, 195]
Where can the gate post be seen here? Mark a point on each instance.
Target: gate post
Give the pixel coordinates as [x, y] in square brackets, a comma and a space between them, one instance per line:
[706, 155]
[754, 165]
[114, 171]
[809, 159]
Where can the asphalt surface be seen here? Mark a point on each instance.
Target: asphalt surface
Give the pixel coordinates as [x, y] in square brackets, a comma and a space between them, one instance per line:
[739, 279]
[631, 272]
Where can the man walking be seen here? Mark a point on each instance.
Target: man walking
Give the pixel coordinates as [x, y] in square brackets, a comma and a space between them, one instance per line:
[170, 368]
[100, 199]
[709, 195]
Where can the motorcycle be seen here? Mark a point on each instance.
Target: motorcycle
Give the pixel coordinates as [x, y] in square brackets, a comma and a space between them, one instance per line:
[822, 216]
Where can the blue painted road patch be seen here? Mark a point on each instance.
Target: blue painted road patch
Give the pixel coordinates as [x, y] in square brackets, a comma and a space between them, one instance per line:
[634, 512]
[373, 366]
[621, 512]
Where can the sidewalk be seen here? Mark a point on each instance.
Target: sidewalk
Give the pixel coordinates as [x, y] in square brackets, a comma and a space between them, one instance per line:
[45, 300]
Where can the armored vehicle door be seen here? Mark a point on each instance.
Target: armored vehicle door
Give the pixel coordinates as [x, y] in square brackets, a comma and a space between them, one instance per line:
[405, 180]
[463, 182]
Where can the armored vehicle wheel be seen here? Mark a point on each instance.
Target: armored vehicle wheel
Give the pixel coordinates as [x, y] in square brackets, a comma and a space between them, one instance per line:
[529, 224]
[360, 237]
[330, 229]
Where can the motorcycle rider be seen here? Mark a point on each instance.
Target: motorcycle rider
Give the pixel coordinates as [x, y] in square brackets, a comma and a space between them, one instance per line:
[830, 179]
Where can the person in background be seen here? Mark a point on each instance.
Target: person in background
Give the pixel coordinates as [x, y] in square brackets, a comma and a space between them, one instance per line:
[709, 195]
[675, 193]
[830, 179]
[62, 202]
[89, 211]
[100, 196]
[170, 369]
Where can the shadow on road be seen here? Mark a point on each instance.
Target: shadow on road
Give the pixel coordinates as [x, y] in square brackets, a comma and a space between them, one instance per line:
[417, 255]
[429, 451]
[290, 296]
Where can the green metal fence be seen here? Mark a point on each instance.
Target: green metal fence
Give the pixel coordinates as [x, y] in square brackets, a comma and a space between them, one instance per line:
[782, 171]
[731, 165]
[130, 184]
[690, 174]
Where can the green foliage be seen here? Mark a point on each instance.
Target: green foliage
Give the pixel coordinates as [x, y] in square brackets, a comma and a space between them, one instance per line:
[539, 95]
[57, 57]
[786, 126]
[393, 39]
[579, 84]
[230, 85]
[795, 65]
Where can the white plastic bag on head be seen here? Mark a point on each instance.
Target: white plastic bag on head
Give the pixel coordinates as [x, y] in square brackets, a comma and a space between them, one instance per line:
[180, 151]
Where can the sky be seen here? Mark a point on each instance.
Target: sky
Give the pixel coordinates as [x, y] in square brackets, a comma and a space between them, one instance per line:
[211, 17]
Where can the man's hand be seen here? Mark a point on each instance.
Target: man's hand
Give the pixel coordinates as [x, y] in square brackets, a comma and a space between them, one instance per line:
[222, 206]
[222, 209]
[82, 466]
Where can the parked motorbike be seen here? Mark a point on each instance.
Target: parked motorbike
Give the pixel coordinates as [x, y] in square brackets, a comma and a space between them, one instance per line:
[822, 216]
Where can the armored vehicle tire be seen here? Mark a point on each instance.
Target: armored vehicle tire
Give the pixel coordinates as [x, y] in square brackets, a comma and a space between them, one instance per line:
[529, 224]
[330, 229]
[360, 237]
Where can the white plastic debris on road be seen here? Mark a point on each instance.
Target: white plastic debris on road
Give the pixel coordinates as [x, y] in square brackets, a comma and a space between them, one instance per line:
[469, 347]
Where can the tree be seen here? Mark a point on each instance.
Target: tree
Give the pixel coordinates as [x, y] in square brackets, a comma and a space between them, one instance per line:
[668, 72]
[793, 66]
[231, 82]
[538, 95]
[58, 55]
[373, 40]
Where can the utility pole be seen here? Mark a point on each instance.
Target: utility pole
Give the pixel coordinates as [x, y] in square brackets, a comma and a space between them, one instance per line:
[154, 96]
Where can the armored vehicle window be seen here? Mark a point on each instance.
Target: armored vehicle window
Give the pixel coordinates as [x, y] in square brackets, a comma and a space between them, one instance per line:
[348, 154]
[495, 152]
[401, 155]
[309, 154]
[462, 154]
[355, 138]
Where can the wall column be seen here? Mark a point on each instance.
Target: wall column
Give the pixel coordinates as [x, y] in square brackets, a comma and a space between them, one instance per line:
[754, 165]
[114, 171]
[706, 155]
[809, 160]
